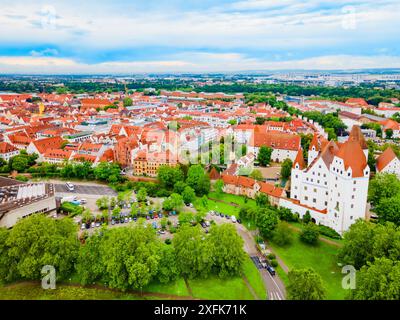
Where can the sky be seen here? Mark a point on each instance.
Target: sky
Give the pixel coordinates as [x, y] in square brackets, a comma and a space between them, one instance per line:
[150, 36]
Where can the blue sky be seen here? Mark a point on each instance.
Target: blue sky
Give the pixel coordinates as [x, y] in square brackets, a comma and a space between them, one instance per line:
[197, 36]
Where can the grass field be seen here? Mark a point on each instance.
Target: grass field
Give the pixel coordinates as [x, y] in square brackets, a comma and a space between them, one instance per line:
[322, 258]
[33, 291]
[177, 288]
[215, 288]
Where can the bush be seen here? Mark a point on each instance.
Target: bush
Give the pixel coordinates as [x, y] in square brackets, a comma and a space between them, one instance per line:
[328, 232]
[21, 178]
[310, 234]
[273, 263]
[271, 256]
[168, 241]
[282, 235]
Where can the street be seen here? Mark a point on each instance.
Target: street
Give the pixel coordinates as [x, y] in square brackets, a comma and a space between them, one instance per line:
[275, 287]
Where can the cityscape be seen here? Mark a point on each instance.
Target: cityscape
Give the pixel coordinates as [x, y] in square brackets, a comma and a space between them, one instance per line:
[247, 179]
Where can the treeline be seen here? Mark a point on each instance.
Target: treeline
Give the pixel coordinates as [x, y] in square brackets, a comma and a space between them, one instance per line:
[122, 258]
[372, 95]
[104, 171]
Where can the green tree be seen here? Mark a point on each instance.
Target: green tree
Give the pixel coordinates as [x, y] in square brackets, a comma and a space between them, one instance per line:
[193, 252]
[188, 195]
[130, 256]
[357, 244]
[179, 187]
[388, 133]
[307, 217]
[19, 163]
[305, 284]
[388, 209]
[282, 235]
[286, 169]
[103, 202]
[256, 175]
[127, 102]
[219, 185]
[37, 241]
[383, 185]
[262, 200]
[169, 176]
[266, 221]
[264, 156]
[310, 234]
[168, 267]
[198, 179]
[141, 195]
[228, 254]
[89, 266]
[379, 280]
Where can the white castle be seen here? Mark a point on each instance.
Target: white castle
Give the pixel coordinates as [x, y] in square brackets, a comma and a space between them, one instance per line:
[333, 187]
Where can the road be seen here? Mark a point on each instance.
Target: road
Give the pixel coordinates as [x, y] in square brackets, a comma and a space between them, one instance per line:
[275, 287]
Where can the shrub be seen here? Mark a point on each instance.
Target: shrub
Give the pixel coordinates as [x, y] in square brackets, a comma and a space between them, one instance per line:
[328, 232]
[310, 234]
[282, 235]
[273, 263]
[168, 241]
[271, 256]
[21, 178]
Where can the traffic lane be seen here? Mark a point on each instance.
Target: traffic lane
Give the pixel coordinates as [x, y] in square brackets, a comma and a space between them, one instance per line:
[85, 189]
[275, 287]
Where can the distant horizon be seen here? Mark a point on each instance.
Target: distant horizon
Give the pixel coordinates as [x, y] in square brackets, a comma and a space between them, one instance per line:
[178, 36]
[370, 71]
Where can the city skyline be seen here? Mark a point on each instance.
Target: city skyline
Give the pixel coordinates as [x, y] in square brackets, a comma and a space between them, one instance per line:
[197, 36]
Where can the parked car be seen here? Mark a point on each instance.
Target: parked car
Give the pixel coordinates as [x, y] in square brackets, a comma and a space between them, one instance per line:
[83, 226]
[147, 217]
[206, 230]
[92, 225]
[98, 224]
[271, 270]
[156, 216]
[239, 221]
[222, 215]
[233, 218]
[227, 216]
[203, 224]
[130, 219]
[160, 215]
[83, 201]
[113, 222]
[134, 219]
[208, 223]
[126, 220]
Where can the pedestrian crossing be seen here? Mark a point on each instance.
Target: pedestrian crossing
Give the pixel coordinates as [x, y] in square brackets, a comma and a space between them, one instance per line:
[274, 296]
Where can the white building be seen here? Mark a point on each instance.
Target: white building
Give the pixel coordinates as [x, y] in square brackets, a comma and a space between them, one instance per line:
[7, 151]
[388, 162]
[334, 185]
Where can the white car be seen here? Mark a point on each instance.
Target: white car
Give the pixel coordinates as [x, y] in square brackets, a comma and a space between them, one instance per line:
[83, 226]
[208, 223]
[233, 219]
[83, 201]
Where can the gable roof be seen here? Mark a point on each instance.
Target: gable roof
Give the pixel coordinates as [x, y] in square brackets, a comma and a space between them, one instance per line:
[385, 158]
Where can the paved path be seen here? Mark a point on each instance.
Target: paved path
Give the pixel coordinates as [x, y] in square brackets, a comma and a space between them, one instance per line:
[275, 287]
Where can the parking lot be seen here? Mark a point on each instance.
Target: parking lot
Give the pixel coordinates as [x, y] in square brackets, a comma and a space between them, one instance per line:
[86, 189]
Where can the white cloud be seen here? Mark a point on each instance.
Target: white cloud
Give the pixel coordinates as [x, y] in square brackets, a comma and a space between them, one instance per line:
[192, 62]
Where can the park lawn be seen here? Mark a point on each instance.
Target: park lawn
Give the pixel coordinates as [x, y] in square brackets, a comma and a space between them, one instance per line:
[253, 275]
[216, 206]
[240, 200]
[322, 258]
[177, 288]
[215, 288]
[34, 291]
